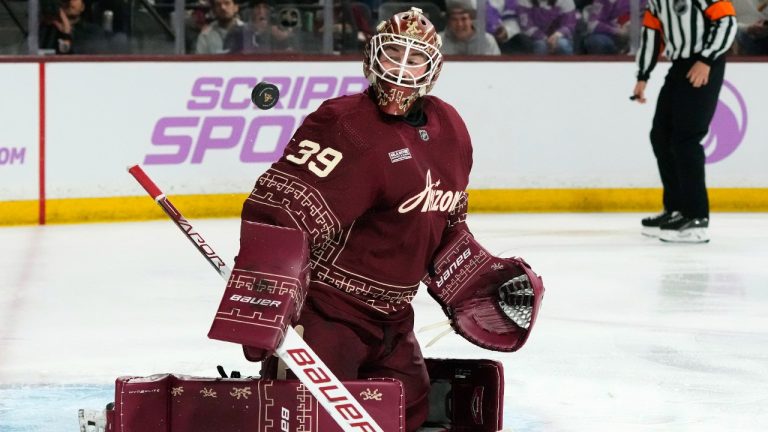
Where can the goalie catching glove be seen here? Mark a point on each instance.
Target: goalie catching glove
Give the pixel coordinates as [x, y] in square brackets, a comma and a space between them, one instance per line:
[492, 302]
[266, 289]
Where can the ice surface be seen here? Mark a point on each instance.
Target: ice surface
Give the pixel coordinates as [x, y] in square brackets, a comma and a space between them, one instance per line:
[634, 334]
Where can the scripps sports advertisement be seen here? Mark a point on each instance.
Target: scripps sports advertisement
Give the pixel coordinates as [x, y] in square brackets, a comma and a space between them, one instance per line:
[534, 125]
[19, 133]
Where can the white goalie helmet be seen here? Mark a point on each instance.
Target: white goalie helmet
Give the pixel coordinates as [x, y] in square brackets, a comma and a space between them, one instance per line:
[403, 60]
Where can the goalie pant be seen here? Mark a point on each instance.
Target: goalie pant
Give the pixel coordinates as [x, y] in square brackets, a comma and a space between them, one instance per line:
[355, 343]
[466, 396]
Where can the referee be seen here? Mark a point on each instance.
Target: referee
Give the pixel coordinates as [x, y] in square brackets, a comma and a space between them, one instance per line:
[694, 34]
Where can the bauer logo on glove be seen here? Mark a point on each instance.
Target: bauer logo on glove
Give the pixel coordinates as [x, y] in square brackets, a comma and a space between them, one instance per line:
[452, 268]
[490, 301]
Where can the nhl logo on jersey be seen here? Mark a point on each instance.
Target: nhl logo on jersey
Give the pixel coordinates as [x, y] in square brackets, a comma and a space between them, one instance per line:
[424, 135]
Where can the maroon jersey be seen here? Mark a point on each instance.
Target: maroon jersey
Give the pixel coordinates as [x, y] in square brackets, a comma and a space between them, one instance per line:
[374, 193]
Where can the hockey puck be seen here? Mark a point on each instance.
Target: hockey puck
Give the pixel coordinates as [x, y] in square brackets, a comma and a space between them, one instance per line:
[265, 95]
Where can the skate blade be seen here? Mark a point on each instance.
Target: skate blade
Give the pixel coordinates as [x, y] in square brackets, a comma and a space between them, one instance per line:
[693, 235]
[650, 231]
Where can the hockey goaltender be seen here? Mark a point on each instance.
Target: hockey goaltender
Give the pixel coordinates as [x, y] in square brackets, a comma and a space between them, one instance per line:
[367, 202]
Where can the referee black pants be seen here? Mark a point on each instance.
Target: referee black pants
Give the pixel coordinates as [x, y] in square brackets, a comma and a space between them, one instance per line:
[682, 118]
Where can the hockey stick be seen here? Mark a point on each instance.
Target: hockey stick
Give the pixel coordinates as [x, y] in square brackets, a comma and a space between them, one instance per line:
[294, 351]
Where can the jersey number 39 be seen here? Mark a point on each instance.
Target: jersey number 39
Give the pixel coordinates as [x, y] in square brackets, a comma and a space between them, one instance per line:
[322, 161]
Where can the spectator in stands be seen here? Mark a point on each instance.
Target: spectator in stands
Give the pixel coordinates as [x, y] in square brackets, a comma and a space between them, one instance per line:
[262, 35]
[607, 27]
[373, 6]
[501, 22]
[295, 29]
[549, 23]
[461, 37]
[256, 35]
[211, 39]
[752, 37]
[64, 31]
[362, 15]
[352, 26]
[195, 21]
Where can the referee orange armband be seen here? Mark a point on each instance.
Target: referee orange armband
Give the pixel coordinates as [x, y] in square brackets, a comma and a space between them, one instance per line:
[650, 21]
[720, 9]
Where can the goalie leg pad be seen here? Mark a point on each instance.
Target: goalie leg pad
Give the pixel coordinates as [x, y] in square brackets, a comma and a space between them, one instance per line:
[466, 395]
[266, 289]
[166, 402]
[492, 302]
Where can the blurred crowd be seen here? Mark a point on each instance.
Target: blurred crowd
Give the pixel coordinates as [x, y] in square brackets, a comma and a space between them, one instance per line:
[468, 27]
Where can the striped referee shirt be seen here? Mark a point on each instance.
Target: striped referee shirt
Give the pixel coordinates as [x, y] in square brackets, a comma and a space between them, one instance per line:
[700, 29]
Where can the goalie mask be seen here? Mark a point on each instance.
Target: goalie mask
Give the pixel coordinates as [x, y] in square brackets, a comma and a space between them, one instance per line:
[403, 60]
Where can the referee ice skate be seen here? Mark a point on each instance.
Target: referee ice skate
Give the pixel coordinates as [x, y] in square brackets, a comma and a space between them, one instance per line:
[695, 35]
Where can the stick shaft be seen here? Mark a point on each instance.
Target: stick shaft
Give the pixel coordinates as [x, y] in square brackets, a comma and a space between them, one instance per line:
[294, 351]
[189, 231]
